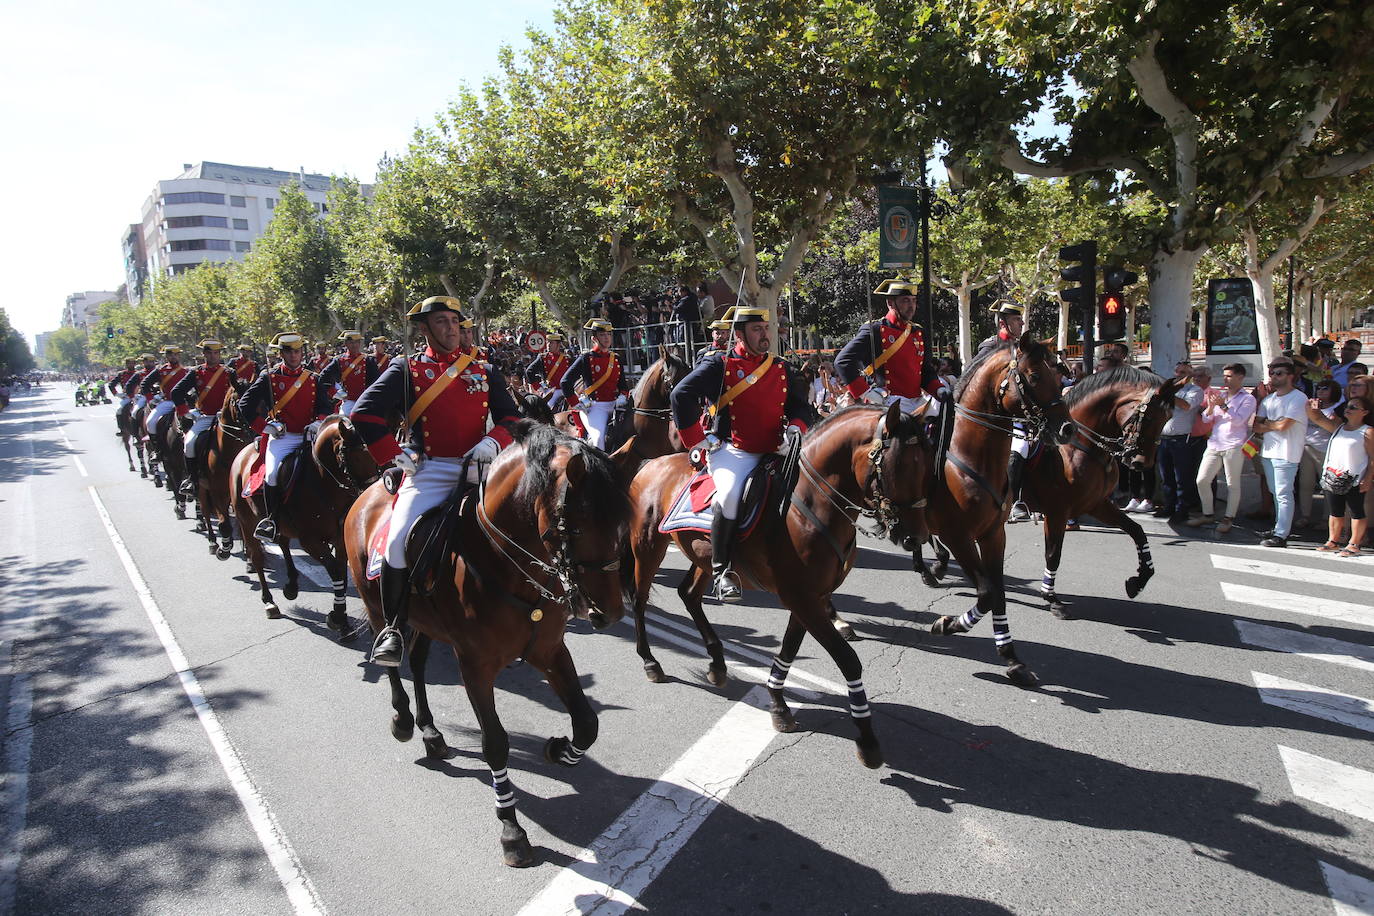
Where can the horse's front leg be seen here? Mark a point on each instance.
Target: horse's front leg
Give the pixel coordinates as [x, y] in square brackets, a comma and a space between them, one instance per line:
[562, 676]
[691, 590]
[783, 720]
[480, 684]
[291, 588]
[648, 557]
[435, 746]
[1055, 521]
[992, 550]
[1145, 564]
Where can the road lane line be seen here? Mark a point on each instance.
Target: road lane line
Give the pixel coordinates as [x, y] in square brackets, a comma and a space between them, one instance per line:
[79, 466]
[1326, 782]
[14, 787]
[1305, 574]
[1330, 608]
[619, 865]
[299, 891]
[1351, 895]
[1306, 645]
[750, 672]
[305, 564]
[1341, 708]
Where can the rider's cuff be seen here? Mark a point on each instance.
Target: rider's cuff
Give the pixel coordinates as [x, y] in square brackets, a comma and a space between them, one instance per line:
[501, 435]
[259, 425]
[384, 449]
[800, 425]
[858, 386]
[693, 435]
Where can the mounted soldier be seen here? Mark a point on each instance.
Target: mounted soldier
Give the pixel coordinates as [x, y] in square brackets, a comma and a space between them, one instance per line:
[1011, 322]
[243, 366]
[720, 335]
[447, 396]
[350, 371]
[284, 403]
[379, 354]
[160, 382]
[321, 358]
[604, 383]
[754, 407]
[135, 386]
[204, 390]
[885, 362]
[547, 370]
[119, 385]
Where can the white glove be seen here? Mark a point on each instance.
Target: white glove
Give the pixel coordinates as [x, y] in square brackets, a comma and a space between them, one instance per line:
[195, 413]
[313, 430]
[712, 442]
[621, 401]
[408, 461]
[484, 451]
[875, 396]
[274, 429]
[584, 404]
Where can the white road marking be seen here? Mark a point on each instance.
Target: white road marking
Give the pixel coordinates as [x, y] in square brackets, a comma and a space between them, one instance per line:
[1306, 645]
[1330, 608]
[1341, 708]
[750, 672]
[79, 466]
[305, 564]
[1306, 553]
[1351, 895]
[299, 891]
[14, 787]
[1326, 782]
[615, 869]
[1306, 574]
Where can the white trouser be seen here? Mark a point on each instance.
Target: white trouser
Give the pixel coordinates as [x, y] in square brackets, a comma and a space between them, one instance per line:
[730, 468]
[160, 411]
[596, 420]
[911, 405]
[277, 450]
[346, 407]
[140, 402]
[429, 486]
[200, 426]
[1232, 460]
[555, 397]
[124, 401]
[1019, 443]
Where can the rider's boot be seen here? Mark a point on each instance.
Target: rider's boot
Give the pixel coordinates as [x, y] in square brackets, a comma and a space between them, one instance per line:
[192, 481]
[390, 644]
[267, 527]
[722, 543]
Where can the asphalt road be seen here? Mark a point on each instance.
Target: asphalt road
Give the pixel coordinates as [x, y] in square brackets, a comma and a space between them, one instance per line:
[1204, 748]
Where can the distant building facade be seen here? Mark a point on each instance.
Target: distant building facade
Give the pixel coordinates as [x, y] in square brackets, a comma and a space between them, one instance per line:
[83, 309]
[135, 262]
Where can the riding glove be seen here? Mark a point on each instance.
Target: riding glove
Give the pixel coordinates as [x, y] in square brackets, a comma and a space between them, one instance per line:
[274, 429]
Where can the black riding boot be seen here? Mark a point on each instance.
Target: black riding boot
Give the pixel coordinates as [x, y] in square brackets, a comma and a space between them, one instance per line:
[395, 584]
[267, 526]
[1016, 465]
[722, 543]
[192, 481]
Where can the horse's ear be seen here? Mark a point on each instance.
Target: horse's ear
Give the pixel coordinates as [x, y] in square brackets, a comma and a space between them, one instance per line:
[576, 469]
[1026, 341]
[893, 419]
[1171, 387]
[663, 352]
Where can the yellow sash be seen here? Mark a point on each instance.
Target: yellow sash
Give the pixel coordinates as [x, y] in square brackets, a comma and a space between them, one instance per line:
[738, 388]
[889, 351]
[557, 364]
[279, 406]
[433, 391]
[214, 380]
[351, 368]
[590, 389]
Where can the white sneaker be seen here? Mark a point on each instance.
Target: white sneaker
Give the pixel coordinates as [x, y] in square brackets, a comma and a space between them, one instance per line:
[1145, 506]
[1132, 506]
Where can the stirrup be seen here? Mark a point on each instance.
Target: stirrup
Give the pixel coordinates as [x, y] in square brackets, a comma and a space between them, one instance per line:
[728, 589]
[266, 531]
[388, 655]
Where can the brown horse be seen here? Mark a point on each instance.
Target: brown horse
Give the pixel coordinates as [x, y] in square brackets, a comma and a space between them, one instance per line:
[223, 442]
[541, 540]
[861, 460]
[1119, 414]
[311, 513]
[128, 435]
[969, 501]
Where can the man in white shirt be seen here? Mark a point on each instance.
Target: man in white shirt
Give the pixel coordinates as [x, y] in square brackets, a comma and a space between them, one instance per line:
[1175, 460]
[1282, 418]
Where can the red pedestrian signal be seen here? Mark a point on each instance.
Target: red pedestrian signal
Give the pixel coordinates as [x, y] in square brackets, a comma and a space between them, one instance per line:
[1111, 317]
[1111, 305]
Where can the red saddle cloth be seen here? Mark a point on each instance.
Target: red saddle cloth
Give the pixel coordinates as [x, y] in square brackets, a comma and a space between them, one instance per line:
[257, 472]
[691, 508]
[378, 544]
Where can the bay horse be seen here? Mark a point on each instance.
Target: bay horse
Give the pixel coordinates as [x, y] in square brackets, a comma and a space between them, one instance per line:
[128, 433]
[861, 460]
[969, 499]
[310, 513]
[226, 437]
[1119, 414]
[540, 541]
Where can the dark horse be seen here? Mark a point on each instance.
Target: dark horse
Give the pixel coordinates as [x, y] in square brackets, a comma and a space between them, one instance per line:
[167, 455]
[1119, 414]
[541, 540]
[128, 433]
[222, 444]
[969, 502]
[310, 511]
[861, 460]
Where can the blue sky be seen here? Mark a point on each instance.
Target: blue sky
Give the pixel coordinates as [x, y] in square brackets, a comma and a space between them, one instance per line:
[101, 100]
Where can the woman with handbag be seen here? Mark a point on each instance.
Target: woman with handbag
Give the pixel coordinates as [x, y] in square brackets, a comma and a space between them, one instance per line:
[1346, 472]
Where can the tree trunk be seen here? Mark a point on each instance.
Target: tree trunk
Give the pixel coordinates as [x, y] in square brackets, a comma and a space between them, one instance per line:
[547, 298]
[1265, 315]
[1061, 336]
[449, 288]
[1171, 308]
[965, 293]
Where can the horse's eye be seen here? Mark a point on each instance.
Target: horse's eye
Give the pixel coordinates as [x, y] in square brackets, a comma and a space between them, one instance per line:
[1035, 378]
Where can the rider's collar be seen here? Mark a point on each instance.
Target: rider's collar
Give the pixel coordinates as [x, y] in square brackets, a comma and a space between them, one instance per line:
[895, 319]
[740, 351]
[597, 348]
[451, 357]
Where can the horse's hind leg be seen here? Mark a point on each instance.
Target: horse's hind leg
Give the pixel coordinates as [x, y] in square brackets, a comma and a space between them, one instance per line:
[691, 590]
[562, 677]
[330, 556]
[291, 588]
[402, 722]
[435, 747]
[1145, 564]
[257, 561]
[480, 685]
[841, 625]
[783, 720]
[941, 558]
[1054, 552]
[648, 557]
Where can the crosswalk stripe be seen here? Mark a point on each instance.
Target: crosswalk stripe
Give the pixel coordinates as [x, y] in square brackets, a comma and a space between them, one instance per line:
[1326, 782]
[1308, 574]
[1330, 608]
[1351, 895]
[1365, 560]
[1341, 708]
[1306, 645]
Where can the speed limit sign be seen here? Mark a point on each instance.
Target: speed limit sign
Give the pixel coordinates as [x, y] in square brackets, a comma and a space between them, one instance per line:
[535, 342]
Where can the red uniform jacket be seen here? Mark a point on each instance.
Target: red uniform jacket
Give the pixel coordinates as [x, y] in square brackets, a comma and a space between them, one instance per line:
[307, 405]
[204, 388]
[754, 420]
[588, 368]
[904, 374]
[244, 369]
[164, 378]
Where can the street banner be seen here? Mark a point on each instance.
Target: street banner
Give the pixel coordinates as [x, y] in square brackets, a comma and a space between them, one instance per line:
[1230, 320]
[897, 207]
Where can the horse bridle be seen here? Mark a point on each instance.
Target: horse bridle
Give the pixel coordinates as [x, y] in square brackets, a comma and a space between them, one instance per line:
[1132, 429]
[340, 449]
[1034, 413]
[882, 510]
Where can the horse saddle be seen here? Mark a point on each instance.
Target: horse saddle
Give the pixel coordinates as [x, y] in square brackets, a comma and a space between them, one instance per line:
[691, 508]
[291, 469]
[432, 538]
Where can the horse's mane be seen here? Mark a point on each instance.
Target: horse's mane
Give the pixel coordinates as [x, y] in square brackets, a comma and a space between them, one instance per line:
[1124, 376]
[841, 413]
[601, 484]
[1036, 351]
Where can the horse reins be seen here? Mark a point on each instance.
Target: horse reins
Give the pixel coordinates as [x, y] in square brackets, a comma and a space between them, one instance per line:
[881, 510]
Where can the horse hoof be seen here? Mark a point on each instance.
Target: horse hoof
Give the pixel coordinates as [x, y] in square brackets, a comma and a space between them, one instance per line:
[1134, 586]
[289, 591]
[945, 626]
[716, 675]
[654, 672]
[939, 571]
[273, 612]
[1021, 676]
[180, 514]
[337, 621]
[214, 549]
[1060, 610]
[223, 553]
[846, 631]
[157, 483]
[402, 729]
[515, 847]
[143, 474]
[435, 746]
[783, 720]
[870, 756]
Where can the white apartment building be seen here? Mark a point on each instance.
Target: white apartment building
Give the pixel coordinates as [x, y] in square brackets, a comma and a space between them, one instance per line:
[213, 212]
[83, 309]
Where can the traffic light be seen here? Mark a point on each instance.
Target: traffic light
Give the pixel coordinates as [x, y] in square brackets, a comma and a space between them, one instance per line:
[109, 331]
[1084, 273]
[1111, 317]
